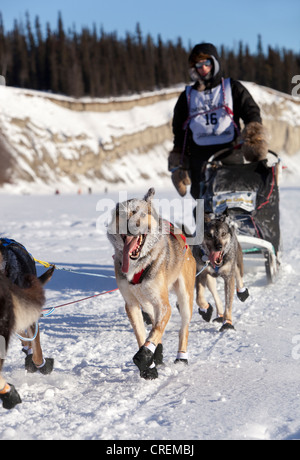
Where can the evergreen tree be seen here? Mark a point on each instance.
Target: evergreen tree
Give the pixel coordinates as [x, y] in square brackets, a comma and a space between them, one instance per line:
[88, 63]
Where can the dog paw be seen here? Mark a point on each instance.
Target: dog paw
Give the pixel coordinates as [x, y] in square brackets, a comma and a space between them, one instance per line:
[243, 295]
[226, 326]
[206, 314]
[143, 358]
[11, 398]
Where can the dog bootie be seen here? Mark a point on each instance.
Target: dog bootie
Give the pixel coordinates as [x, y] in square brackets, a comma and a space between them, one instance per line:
[10, 398]
[158, 355]
[45, 369]
[144, 360]
[47, 366]
[218, 319]
[226, 326]
[206, 313]
[182, 358]
[149, 374]
[242, 294]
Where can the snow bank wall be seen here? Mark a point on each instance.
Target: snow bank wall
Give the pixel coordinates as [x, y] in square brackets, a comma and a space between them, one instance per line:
[51, 139]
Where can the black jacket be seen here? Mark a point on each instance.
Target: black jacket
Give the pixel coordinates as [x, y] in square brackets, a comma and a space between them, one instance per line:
[244, 108]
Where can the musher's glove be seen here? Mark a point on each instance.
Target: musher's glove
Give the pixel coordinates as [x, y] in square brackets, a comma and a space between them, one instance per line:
[180, 175]
[176, 159]
[255, 142]
[180, 179]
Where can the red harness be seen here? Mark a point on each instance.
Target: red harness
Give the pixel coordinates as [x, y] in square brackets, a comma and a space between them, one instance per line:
[138, 277]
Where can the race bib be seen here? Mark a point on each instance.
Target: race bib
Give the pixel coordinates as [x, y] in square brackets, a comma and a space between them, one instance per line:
[210, 122]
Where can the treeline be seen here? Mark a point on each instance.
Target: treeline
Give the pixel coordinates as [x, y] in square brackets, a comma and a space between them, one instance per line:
[99, 64]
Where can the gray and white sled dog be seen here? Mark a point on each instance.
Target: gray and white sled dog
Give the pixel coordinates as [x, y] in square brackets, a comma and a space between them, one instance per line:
[219, 255]
[19, 309]
[150, 258]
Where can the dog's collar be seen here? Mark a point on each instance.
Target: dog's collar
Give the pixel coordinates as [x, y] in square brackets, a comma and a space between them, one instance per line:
[138, 277]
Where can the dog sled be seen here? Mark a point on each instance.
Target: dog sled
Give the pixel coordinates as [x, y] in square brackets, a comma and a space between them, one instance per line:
[250, 193]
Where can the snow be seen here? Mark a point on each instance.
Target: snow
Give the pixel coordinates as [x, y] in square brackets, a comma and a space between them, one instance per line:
[242, 384]
[64, 134]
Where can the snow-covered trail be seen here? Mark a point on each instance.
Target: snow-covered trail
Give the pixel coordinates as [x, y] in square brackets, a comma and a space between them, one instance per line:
[242, 384]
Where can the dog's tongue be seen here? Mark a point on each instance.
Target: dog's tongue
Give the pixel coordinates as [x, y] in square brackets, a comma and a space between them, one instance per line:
[214, 257]
[130, 245]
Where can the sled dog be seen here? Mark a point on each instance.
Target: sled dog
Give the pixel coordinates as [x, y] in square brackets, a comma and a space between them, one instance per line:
[219, 255]
[16, 263]
[151, 258]
[19, 309]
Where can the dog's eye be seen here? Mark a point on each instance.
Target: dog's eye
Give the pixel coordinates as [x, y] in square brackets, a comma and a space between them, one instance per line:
[208, 235]
[223, 234]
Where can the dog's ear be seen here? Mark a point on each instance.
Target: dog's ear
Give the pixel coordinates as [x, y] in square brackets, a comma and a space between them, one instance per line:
[224, 216]
[225, 212]
[150, 194]
[208, 217]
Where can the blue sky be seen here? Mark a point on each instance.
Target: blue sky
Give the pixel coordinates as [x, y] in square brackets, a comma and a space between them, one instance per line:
[219, 22]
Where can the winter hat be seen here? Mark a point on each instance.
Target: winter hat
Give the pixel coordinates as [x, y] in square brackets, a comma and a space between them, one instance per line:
[205, 51]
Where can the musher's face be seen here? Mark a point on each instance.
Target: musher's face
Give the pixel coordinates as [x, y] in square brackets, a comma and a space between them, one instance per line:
[203, 67]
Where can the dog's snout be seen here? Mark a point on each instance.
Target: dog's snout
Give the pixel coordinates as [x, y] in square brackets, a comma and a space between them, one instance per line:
[218, 246]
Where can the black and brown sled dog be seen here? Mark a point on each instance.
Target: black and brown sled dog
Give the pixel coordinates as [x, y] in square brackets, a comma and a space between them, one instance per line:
[21, 299]
[219, 255]
[150, 259]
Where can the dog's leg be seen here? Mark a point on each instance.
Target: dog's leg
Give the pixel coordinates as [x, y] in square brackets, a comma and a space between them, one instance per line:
[135, 317]
[163, 309]
[242, 292]
[34, 360]
[205, 309]
[229, 294]
[2, 380]
[184, 288]
[8, 394]
[212, 286]
[144, 359]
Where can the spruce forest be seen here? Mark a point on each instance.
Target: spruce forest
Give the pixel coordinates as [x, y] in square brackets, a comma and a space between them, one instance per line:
[99, 64]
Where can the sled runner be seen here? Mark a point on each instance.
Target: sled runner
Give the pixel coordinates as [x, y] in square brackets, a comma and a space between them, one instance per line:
[250, 193]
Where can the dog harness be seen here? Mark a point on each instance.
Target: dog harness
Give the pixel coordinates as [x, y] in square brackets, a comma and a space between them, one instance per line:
[6, 242]
[138, 277]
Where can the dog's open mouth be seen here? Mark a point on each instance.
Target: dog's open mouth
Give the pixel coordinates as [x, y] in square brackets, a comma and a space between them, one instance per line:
[132, 249]
[216, 258]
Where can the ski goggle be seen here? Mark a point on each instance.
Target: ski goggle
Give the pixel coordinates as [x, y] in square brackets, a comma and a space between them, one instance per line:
[199, 65]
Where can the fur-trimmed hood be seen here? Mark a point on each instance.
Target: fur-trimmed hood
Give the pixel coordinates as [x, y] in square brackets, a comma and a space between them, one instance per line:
[206, 50]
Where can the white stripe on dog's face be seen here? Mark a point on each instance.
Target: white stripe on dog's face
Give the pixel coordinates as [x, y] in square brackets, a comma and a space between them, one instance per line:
[134, 230]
